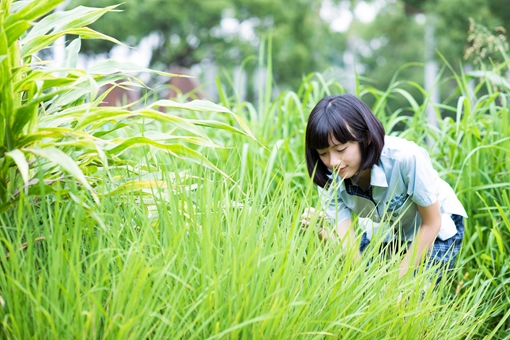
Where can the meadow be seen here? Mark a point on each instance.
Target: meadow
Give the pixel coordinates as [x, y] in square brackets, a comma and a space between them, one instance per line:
[181, 220]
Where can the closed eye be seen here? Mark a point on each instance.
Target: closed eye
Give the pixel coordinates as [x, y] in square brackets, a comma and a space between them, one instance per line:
[342, 150]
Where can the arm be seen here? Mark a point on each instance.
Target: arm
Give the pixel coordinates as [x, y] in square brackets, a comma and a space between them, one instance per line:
[343, 233]
[347, 236]
[424, 239]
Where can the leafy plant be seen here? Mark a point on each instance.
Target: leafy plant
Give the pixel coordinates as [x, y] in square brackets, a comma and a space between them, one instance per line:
[166, 255]
[50, 118]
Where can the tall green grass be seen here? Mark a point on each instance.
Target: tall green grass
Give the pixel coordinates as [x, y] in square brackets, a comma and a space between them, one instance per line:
[198, 256]
[202, 239]
[470, 149]
[208, 267]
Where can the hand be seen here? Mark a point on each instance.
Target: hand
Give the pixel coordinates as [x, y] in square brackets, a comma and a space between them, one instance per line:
[306, 219]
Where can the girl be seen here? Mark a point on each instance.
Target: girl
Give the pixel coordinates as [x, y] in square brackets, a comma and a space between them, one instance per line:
[388, 182]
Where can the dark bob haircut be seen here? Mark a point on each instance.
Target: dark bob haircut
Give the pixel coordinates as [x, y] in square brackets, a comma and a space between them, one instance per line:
[348, 119]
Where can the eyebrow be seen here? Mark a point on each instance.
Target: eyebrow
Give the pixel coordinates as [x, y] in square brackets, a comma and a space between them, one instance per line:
[331, 146]
[335, 145]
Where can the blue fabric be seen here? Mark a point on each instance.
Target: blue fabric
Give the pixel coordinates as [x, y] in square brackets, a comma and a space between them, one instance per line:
[356, 190]
[402, 180]
[445, 252]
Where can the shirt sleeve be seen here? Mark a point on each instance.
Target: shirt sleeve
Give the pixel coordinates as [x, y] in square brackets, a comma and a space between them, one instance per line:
[421, 178]
[335, 209]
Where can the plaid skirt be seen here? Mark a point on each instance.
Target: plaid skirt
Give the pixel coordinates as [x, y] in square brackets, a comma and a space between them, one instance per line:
[443, 252]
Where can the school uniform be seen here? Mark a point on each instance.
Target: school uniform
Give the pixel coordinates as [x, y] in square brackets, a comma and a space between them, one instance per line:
[402, 179]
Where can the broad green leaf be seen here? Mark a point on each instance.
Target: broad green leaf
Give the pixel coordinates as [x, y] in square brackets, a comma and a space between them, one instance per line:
[9, 138]
[102, 155]
[176, 150]
[72, 95]
[8, 205]
[35, 188]
[195, 105]
[119, 145]
[79, 144]
[157, 137]
[86, 85]
[125, 86]
[24, 115]
[37, 44]
[88, 33]
[203, 106]
[19, 5]
[160, 136]
[7, 96]
[21, 162]
[15, 31]
[97, 115]
[44, 41]
[61, 159]
[72, 52]
[47, 97]
[61, 21]
[105, 114]
[32, 11]
[106, 132]
[27, 82]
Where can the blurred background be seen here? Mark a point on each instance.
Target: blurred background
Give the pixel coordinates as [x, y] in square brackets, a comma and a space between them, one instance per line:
[375, 40]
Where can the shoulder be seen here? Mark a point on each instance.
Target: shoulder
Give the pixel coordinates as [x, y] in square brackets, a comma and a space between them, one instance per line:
[401, 150]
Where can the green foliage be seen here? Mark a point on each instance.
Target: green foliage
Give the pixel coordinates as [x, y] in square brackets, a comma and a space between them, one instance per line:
[211, 264]
[50, 114]
[397, 37]
[183, 258]
[191, 31]
[453, 23]
[470, 149]
[201, 241]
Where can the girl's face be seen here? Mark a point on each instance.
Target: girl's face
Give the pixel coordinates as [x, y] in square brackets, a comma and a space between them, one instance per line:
[344, 159]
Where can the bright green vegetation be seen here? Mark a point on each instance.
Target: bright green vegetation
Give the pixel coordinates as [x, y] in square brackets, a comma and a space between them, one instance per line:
[184, 222]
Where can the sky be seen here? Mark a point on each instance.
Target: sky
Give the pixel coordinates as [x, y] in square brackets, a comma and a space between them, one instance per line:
[340, 16]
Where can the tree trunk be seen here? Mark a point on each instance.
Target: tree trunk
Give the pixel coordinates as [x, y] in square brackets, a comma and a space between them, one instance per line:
[431, 75]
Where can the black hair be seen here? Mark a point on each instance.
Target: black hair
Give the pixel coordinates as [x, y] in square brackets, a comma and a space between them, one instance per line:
[348, 119]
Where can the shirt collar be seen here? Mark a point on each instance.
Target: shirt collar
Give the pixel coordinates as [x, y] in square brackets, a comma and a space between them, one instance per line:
[378, 177]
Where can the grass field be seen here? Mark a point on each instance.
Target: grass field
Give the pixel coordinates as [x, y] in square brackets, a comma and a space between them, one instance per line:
[183, 222]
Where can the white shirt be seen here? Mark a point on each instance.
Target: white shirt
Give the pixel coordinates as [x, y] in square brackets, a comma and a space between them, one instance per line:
[402, 179]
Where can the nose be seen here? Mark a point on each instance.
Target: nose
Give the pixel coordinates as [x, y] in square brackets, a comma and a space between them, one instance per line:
[335, 160]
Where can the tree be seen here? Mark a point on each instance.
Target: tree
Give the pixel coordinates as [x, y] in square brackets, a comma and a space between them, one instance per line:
[190, 31]
[397, 36]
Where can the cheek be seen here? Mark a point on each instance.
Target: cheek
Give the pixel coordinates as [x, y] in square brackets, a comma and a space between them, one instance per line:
[324, 160]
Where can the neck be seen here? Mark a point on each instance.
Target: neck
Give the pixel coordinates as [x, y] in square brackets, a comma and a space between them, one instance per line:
[364, 180]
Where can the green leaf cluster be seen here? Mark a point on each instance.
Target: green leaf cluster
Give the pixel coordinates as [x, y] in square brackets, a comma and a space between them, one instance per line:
[51, 125]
